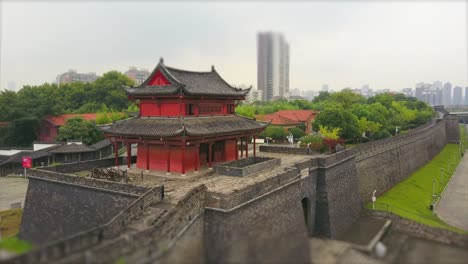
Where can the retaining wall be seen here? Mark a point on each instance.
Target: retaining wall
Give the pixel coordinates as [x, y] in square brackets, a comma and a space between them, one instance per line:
[382, 164]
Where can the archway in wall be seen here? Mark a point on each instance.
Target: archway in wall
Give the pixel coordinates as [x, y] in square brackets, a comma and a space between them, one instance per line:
[306, 210]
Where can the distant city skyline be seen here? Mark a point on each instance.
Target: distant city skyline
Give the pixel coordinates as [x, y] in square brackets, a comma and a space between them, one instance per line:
[388, 45]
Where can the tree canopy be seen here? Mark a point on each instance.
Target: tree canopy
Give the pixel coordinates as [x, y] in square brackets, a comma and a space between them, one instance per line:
[24, 109]
[78, 128]
[355, 116]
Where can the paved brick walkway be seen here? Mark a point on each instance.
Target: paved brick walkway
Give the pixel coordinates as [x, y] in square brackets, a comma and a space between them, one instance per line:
[12, 190]
[453, 206]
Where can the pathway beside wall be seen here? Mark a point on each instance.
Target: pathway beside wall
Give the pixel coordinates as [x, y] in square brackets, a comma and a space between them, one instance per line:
[453, 205]
[12, 190]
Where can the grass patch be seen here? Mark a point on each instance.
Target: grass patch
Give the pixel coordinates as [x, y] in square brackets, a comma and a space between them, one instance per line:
[14, 245]
[412, 197]
[10, 221]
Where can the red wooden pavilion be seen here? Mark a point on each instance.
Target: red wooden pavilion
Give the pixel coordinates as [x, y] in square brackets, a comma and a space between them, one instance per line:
[186, 121]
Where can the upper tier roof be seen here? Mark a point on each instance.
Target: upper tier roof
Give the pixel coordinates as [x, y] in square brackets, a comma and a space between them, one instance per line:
[175, 126]
[172, 81]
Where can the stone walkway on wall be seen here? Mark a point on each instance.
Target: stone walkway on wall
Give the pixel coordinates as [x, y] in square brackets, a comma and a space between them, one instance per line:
[12, 190]
[453, 205]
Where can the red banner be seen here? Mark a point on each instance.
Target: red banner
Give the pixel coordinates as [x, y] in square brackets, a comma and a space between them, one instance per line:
[27, 162]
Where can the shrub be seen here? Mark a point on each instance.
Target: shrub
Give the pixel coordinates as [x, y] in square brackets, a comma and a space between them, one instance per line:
[296, 132]
[316, 143]
[275, 132]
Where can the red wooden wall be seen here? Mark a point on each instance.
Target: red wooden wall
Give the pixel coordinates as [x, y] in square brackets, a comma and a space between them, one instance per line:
[176, 107]
[230, 150]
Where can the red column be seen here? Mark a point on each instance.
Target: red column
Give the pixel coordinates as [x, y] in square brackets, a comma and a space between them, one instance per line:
[129, 155]
[183, 158]
[168, 157]
[247, 147]
[116, 151]
[237, 148]
[210, 154]
[242, 148]
[255, 146]
[147, 156]
[197, 157]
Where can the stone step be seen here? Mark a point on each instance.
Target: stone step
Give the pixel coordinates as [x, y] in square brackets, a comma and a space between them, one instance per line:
[149, 217]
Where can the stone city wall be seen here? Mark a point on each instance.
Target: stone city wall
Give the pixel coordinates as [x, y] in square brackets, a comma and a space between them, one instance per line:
[178, 227]
[259, 226]
[452, 131]
[422, 231]
[78, 242]
[384, 163]
[338, 203]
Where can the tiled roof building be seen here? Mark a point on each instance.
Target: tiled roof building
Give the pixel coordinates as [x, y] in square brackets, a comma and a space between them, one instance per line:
[186, 121]
[290, 118]
[48, 129]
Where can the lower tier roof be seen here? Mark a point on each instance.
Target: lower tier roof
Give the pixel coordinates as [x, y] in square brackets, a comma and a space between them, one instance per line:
[177, 126]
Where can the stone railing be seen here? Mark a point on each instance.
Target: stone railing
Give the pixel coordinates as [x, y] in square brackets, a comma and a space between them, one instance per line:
[87, 182]
[392, 142]
[247, 166]
[87, 239]
[86, 165]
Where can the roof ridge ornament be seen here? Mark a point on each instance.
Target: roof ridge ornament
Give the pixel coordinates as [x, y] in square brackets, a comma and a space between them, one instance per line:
[212, 68]
[161, 60]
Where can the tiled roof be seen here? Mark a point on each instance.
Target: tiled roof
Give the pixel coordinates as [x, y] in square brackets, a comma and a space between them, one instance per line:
[188, 82]
[61, 119]
[156, 90]
[16, 158]
[101, 144]
[288, 117]
[43, 152]
[72, 148]
[195, 126]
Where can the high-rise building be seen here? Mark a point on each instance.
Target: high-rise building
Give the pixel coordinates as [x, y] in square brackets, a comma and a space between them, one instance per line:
[457, 95]
[73, 76]
[466, 95]
[447, 94]
[272, 65]
[139, 76]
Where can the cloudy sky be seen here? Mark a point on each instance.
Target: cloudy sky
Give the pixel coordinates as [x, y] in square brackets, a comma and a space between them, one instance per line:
[343, 43]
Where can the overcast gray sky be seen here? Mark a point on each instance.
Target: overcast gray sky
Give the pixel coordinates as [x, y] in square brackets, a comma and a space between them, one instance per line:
[385, 44]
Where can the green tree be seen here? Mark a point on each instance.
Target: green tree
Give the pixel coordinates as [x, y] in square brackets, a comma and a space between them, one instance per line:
[296, 132]
[337, 117]
[346, 98]
[78, 128]
[108, 90]
[275, 132]
[323, 96]
[246, 110]
[368, 126]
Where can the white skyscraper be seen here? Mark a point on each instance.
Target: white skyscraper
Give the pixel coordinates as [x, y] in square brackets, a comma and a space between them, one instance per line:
[272, 65]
